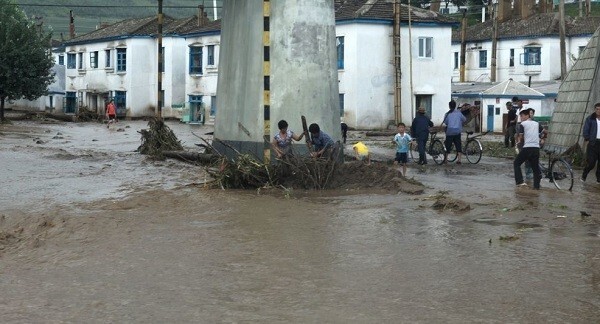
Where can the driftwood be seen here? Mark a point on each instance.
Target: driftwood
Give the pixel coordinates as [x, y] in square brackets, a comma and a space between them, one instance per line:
[203, 158]
[380, 133]
[67, 118]
[27, 115]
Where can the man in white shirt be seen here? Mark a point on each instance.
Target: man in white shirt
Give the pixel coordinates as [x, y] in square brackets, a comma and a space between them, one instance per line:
[528, 135]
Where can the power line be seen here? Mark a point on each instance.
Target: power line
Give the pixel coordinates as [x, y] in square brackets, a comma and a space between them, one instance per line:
[107, 6]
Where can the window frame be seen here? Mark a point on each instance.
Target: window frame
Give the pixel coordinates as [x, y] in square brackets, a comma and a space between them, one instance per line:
[80, 61]
[71, 61]
[210, 55]
[108, 58]
[195, 55]
[94, 60]
[483, 60]
[340, 44]
[511, 59]
[61, 59]
[121, 59]
[532, 55]
[456, 60]
[425, 47]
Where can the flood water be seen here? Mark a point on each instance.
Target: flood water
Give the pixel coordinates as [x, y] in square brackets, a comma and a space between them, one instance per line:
[101, 234]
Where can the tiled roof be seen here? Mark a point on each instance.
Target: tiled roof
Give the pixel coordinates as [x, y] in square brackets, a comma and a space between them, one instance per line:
[576, 97]
[192, 27]
[383, 9]
[535, 26]
[513, 88]
[344, 10]
[147, 26]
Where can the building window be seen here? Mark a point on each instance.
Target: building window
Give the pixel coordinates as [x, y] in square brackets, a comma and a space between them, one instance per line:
[161, 64]
[211, 55]
[532, 56]
[339, 41]
[71, 59]
[213, 105]
[455, 60]
[581, 48]
[195, 60]
[121, 59]
[107, 61]
[94, 60]
[120, 102]
[196, 113]
[511, 60]
[341, 96]
[70, 102]
[80, 61]
[61, 60]
[425, 47]
[483, 59]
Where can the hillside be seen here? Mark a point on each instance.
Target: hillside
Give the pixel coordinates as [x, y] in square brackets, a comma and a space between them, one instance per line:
[91, 13]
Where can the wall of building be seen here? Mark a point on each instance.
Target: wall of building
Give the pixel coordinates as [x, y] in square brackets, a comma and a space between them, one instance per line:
[549, 69]
[204, 84]
[367, 80]
[138, 81]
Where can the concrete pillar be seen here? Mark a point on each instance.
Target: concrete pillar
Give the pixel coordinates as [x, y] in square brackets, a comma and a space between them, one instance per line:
[301, 67]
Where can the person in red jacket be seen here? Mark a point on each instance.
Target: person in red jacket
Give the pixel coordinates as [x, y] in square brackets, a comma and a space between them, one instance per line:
[111, 113]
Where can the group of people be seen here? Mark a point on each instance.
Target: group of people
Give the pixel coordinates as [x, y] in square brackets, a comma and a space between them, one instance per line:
[320, 143]
[522, 132]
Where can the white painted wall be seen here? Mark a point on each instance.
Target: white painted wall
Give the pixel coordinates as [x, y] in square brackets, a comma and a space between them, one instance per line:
[138, 81]
[173, 79]
[548, 70]
[204, 84]
[367, 80]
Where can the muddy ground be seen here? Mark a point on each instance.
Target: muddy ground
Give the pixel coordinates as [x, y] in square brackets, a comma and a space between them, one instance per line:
[91, 231]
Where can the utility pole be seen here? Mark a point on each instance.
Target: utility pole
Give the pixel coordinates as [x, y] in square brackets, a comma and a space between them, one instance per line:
[563, 50]
[463, 44]
[159, 95]
[494, 41]
[397, 65]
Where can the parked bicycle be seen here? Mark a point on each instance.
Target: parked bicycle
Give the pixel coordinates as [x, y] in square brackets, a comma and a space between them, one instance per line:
[558, 171]
[435, 149]
[472, 149]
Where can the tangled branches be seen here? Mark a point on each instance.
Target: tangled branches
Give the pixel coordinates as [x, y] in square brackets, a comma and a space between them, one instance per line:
[85, 115]
[245, 171]
[157, 139]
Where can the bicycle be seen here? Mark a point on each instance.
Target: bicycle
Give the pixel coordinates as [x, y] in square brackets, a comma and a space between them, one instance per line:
[435, 149]
[560, 172]
[472, 149]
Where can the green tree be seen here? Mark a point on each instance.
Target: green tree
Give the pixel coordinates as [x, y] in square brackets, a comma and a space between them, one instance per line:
[25, 57]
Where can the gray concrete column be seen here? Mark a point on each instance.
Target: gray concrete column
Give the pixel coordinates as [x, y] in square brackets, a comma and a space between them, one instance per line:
[303, 71]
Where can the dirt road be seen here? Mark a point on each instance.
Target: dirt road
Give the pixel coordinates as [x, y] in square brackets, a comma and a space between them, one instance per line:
[91, 231]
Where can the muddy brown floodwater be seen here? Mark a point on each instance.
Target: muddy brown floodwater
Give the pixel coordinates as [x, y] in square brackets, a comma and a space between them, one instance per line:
[91, 231]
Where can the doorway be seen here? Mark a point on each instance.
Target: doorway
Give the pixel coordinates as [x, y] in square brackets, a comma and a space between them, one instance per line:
[422, 101]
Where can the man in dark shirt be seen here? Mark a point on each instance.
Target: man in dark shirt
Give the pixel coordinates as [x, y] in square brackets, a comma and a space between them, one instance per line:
[420, 131]
[322, 143]
[509, 135]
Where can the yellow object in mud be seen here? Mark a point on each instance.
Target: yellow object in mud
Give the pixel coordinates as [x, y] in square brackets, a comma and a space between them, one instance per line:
[361, 149]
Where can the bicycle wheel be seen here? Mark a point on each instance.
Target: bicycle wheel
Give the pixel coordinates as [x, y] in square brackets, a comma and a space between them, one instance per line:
[473, 151]
[413, 152]
[436, 150]
[452, 155]
[562, 174]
